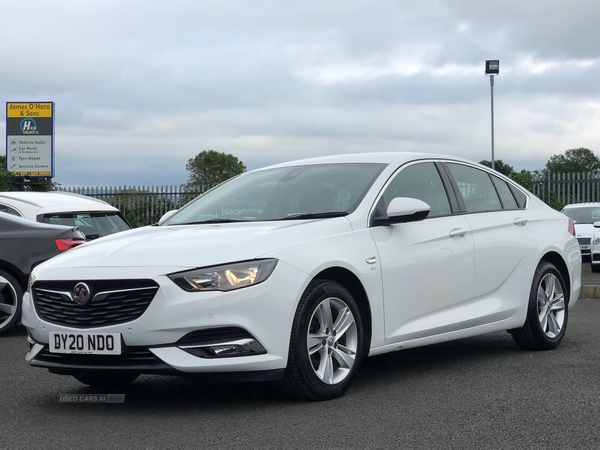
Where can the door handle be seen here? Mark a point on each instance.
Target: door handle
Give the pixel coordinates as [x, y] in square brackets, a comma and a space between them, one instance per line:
[520, 222]
[457, 232]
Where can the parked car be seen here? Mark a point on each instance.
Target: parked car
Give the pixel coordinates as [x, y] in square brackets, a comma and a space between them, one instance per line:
[23, 245]
[584, 215]
[95, 218]
[595, 249]
[300, 270]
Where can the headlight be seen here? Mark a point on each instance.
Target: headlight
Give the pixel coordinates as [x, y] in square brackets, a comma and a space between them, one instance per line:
[225, 278]
[30, 282]
[596, 239]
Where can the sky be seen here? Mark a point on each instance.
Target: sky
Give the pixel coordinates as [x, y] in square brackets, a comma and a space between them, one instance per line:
[141, 87]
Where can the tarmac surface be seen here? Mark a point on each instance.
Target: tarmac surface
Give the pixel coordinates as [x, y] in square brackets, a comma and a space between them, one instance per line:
[590, 281]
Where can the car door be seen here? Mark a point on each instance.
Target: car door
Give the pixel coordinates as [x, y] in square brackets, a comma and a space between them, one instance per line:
[427, 267]
[504, 241]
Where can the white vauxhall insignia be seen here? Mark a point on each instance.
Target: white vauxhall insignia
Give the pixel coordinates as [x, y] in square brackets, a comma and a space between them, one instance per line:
[298, 271]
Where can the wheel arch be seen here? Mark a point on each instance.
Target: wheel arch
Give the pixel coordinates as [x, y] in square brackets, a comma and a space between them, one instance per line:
[351, 282]
[559, 263]
[16, 273]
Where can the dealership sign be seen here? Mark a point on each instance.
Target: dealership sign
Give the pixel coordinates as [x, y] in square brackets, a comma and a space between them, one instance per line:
[30, 139]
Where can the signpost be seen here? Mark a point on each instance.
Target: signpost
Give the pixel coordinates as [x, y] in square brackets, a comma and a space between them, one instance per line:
[30, 139]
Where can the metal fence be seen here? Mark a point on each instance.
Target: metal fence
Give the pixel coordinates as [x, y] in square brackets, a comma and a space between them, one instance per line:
[141, 205]
[144, 205]
[559, 189]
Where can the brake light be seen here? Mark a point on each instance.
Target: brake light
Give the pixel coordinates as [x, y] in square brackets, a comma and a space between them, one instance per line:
[65, 244]
[571, 226]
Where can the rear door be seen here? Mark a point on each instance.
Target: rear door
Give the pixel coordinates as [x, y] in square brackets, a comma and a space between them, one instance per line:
[504, 241]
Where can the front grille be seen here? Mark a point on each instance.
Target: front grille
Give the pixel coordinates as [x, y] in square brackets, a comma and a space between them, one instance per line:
[584, 241]
[111, 302]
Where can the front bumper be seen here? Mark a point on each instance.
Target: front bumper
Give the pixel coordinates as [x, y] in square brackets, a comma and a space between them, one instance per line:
[179, 331]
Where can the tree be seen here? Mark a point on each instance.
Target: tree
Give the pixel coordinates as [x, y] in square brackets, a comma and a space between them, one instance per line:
[499, 166]
[210, 168]
[575, 160]
[6, 179]
[524, 178]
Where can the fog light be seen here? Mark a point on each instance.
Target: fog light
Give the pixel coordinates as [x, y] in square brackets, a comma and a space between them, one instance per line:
[242, 347]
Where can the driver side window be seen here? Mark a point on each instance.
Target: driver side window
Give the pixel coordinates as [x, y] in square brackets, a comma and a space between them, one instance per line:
[421, 181]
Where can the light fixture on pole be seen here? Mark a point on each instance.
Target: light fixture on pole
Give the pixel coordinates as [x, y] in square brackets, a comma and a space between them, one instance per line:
[492, 68]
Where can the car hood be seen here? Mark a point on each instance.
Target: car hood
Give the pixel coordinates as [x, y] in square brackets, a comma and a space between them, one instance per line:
[189, 246]
[585, 230]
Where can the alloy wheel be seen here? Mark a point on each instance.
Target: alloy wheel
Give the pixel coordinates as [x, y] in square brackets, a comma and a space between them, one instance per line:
[8, 301]
[332, 341]
[551, 305]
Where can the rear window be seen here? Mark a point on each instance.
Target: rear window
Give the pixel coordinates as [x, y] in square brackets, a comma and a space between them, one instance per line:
[93, 225]
[7, 209]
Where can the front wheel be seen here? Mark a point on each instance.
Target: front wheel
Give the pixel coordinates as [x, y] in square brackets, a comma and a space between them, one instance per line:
[11, 295]
[327, 343]
[595, 267]
[547, 313]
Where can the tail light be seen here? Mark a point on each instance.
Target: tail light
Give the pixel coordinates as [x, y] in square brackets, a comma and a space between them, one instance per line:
[571, 226]
[68, 243]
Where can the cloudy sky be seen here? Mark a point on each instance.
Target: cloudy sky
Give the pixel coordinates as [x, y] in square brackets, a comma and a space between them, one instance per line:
[140, 87]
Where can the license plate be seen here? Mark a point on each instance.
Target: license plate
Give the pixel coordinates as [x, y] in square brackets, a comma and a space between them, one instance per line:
[584, 247]
[86, 343]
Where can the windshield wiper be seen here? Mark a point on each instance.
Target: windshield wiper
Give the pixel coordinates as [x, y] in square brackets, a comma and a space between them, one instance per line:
[215, 220]
[324, 215]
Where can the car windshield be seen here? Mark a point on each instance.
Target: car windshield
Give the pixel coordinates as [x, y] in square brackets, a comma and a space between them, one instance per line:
[288, 193]
[582, 215]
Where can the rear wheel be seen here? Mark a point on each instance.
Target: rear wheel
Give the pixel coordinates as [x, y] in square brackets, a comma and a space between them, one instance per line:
[11, 295]
[106, 379]
[547, 314]
[327, 343]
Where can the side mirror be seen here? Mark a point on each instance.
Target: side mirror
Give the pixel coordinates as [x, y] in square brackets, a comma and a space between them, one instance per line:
[166, 216]
[404, 210]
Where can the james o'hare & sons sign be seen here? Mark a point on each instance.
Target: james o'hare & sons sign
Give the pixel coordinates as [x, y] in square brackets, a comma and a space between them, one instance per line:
[30, 139]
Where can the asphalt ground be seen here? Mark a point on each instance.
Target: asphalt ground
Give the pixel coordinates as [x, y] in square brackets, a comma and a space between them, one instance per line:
[471, 394]
[590, 281]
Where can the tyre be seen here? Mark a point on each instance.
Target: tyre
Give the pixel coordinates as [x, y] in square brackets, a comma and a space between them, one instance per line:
[595, 267]
[11, 295]
[106, 379]
[547, 313]
[327, 343]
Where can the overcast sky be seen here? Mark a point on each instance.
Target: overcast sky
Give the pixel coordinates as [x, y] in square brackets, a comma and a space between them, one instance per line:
[140, 87]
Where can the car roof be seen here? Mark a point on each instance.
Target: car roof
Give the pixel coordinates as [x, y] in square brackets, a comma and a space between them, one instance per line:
[55, 199]
[375, 157]
[33, 204]
[5, 217]
[582, 205]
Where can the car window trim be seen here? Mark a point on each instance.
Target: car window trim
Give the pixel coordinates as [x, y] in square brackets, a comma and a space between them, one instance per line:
[377, 207]
[461, 202]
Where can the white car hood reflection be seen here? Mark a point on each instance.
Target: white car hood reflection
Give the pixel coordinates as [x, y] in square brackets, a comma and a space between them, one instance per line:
[189, 246]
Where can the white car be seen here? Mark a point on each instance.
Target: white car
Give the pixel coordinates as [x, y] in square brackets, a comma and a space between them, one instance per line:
[95, 218]
[584, 215]
[595, 249]
[300, 270]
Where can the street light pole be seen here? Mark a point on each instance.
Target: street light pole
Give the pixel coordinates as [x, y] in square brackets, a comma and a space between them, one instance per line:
[492, 67]
[492, 97]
